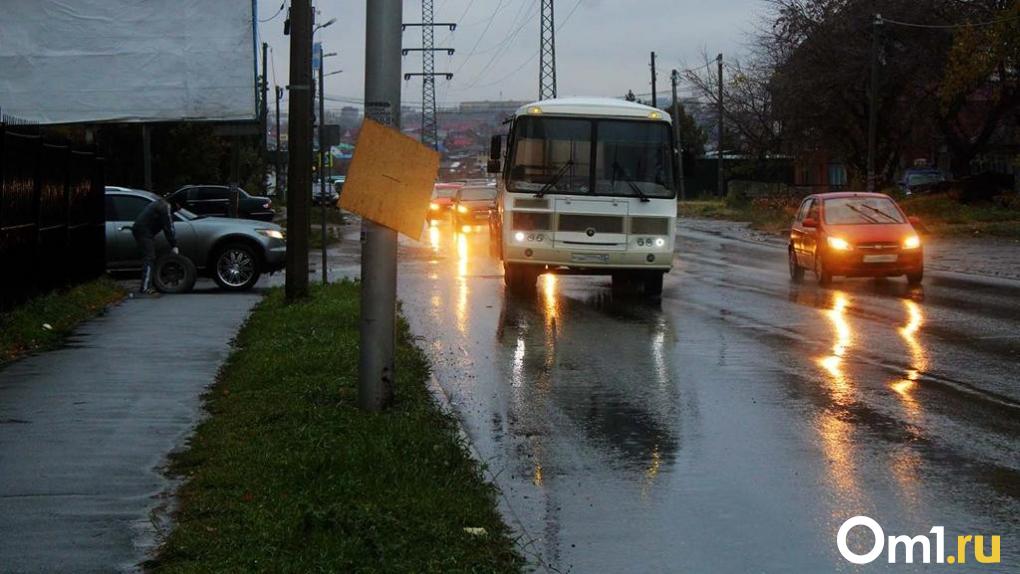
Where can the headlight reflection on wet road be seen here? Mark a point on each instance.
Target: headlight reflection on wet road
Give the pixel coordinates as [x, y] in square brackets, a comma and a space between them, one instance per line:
[918, 357]
[833, 363]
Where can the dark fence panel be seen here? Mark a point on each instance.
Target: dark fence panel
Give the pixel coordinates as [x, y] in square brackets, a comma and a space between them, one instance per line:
[52, 218]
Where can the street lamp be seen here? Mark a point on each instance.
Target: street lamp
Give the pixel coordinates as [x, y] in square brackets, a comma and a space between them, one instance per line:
[325, 25]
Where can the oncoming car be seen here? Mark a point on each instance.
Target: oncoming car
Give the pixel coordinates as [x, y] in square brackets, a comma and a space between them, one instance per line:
[442, 200]
[854, 235]
[471, 205]
[233, 252]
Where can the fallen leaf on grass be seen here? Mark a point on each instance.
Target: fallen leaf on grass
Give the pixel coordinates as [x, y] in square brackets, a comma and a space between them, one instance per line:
[476, 531]
[47, 326]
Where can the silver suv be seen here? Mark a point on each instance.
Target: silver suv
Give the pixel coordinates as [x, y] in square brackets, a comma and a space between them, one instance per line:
[233, 252]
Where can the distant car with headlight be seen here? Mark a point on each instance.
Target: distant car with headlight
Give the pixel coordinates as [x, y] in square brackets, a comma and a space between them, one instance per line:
[233, 252]
[851, 234]
[472, 204]
[442, 200]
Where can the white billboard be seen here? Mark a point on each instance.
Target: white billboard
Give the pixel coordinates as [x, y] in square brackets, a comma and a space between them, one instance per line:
[70, 61]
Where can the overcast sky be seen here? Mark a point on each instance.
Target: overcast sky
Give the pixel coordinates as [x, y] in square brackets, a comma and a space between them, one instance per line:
[602, 46]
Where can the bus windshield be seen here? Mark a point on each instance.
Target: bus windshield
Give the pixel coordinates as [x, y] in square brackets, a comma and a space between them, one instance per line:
[632, 158]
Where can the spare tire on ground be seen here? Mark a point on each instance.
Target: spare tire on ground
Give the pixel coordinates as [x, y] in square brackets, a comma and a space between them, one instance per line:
[174, 274]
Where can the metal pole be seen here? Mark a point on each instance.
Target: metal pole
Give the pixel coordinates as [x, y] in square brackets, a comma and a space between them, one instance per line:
[147, 156]
[279, 190]
[264, 107]
[873, 104]
[379, 243]
[655, 97]
[299, 132]
[721, 191]
[675, 77]
[322, 163]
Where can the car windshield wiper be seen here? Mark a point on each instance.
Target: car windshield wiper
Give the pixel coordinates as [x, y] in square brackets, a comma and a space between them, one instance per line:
[637, 190]
[556, 179]
[858, 211]
[882, 213]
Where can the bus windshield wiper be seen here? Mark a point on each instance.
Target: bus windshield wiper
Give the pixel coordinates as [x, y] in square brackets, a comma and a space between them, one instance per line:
[556, 179]
[637, 190]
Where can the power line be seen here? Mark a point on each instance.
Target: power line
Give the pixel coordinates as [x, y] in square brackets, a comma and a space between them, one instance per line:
[273, 17]
[948, 26]
[507, 40]
[459, 21]
[480, 36]
[525, 62]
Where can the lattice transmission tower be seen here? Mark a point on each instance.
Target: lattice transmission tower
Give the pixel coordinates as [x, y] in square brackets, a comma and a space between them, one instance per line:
[429, 122]
[547, 53]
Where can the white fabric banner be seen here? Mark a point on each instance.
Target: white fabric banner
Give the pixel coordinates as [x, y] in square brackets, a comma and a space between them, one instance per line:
[69, 61]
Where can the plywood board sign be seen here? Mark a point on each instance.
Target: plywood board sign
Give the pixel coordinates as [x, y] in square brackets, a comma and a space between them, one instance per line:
[390, 180]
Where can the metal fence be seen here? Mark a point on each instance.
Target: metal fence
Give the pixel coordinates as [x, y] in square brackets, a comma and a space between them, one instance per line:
[52, 214]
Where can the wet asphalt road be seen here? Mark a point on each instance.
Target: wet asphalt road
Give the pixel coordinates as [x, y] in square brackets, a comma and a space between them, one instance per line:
[735, 424]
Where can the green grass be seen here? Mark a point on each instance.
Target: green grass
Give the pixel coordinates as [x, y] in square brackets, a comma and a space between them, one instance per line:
[288, 475]
[24, 329]
[942, 214]
[771, 219]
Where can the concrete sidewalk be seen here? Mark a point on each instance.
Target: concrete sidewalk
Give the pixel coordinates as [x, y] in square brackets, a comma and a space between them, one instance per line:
[85, 430]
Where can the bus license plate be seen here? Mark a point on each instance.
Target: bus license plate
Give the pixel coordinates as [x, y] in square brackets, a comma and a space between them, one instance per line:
[589, 258]
[891, 258]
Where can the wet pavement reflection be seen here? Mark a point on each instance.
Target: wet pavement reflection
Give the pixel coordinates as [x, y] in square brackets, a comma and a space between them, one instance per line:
[733, 424]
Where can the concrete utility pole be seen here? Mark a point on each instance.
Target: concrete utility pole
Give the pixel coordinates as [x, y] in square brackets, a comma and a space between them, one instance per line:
[655, 97]
[279, 190]
[299, 136]
[675, 78]
[376, 375]
[719, 155]
[873, 103]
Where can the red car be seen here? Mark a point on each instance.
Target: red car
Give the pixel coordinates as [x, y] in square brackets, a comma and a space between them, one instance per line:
[854, 235]
[442, 200]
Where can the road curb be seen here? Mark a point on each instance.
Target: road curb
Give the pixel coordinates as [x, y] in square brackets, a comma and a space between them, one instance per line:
[523, 539]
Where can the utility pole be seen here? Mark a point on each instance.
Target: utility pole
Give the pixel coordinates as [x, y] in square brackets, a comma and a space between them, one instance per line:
[547, 53]
[376, 375]
[147, 156]
[279, 188]
[322, 162]
[299, 136]
[264, 108]
[429, 115]
[719, 154]
[655, 97]
[675, 78]
[873, 103]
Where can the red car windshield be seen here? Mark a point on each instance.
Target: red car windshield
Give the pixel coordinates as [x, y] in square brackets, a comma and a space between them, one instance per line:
[861, 210]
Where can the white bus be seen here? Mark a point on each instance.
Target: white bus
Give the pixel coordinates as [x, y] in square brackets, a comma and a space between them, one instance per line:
[586, 186]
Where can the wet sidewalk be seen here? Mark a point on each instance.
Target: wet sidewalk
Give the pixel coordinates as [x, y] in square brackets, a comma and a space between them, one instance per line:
[85, 430]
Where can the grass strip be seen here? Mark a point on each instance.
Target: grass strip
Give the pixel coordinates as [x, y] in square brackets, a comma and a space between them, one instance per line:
[45, 321]
[288, 475]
